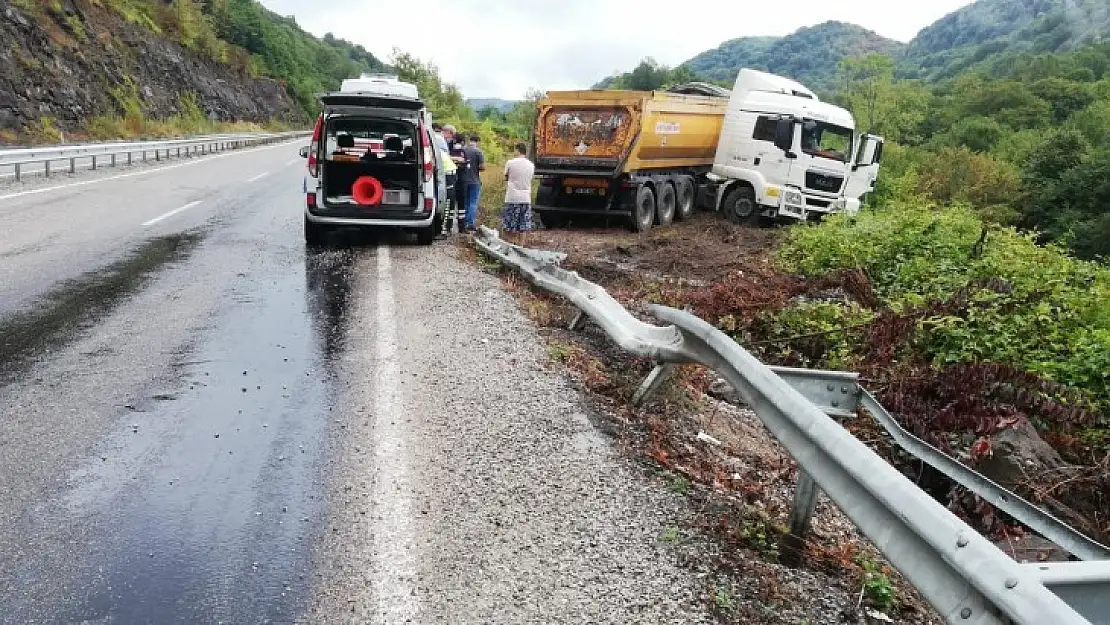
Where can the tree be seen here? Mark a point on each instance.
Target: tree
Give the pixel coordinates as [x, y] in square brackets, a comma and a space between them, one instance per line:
[868, 84]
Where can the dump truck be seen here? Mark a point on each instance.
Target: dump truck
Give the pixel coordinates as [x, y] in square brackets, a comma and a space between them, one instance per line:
[769, 149]
[638, 156]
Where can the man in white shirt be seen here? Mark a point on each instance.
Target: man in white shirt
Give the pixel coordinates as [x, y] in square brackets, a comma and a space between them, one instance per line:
[516, 218]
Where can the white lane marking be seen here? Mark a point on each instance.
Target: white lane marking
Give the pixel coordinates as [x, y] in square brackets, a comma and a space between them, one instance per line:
[394, 565]
[145, 172]
[258, 177]
[294, 161]
[171, 213]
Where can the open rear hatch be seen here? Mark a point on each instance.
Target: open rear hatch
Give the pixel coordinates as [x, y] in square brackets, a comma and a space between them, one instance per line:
[368, 135]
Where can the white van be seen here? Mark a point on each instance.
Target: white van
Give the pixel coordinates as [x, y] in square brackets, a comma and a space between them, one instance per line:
[385, 136]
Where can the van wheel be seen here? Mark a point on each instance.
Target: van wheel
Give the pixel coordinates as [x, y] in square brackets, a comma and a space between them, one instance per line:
[684, 196]
[315, 235]
[643, 215]
[665, 207]
[427, 236]
[740, 207]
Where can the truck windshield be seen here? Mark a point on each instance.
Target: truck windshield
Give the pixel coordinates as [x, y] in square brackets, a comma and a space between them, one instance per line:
[826, 140]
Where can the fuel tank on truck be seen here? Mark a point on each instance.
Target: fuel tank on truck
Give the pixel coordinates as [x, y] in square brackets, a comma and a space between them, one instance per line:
[611, 132]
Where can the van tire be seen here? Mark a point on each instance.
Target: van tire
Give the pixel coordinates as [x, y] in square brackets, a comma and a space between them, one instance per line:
[643, 213]
[685, 196]
[427, 236]
[740, 207]
[315, 235]
[665, 204]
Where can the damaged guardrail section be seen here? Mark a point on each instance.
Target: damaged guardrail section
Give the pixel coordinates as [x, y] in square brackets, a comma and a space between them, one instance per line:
[959, 572]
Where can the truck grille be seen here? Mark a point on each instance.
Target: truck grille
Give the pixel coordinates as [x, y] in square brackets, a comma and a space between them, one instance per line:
[828, 183]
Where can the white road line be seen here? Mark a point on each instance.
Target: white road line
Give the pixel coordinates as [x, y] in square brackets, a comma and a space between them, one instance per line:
[294, 161]
[258, 177]
[394, 568]
[145, 172]
[171, 213]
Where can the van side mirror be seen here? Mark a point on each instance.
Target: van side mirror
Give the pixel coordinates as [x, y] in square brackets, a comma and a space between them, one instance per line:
[784, 137]
[304, 152]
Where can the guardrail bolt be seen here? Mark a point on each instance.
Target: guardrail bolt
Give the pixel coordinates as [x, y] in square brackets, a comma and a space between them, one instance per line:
[830, 388]
[1011, 582]
[844, 390]
[961, 541]
[965, 613]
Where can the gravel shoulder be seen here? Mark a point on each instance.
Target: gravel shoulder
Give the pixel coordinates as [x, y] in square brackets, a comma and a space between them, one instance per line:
[482, 485]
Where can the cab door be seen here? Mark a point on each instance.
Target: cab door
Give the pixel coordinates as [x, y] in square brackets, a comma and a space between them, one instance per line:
[865, 169]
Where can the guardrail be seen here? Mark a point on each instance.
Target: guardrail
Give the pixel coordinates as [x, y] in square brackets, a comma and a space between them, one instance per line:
[960, 573]
[22, 161]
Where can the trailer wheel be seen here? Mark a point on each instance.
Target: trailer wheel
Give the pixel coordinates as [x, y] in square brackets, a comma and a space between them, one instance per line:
[643, 216]
[740, 206]
[685, 196]
[664, 204]
[553, 220]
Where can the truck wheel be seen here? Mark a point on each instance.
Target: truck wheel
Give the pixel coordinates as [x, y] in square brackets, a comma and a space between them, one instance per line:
[554, 220]
[684, 196]
[315, 235]
[664, 207]
[740, 207]
[643, 215]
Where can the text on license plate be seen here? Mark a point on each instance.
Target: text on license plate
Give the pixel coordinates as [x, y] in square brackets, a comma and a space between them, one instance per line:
[582, 191]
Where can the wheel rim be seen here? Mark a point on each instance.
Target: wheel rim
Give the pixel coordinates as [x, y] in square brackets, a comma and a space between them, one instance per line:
[685, 195]
[646, 214]
[666, 206]
[743, 207]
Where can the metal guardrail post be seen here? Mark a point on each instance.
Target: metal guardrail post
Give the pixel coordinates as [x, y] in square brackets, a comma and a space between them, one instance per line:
[801, 513]
[17, 172]
[73, 165]
[94, 163]
[47, 169]
[658, 376]
[578, 322]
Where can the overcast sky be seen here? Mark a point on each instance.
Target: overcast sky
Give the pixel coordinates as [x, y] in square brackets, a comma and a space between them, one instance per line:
[500, 48]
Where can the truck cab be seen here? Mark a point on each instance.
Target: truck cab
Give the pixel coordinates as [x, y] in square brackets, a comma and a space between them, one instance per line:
[785, 154]
[375, 129]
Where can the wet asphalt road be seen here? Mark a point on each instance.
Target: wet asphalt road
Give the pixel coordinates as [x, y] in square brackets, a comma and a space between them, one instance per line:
[202, 422]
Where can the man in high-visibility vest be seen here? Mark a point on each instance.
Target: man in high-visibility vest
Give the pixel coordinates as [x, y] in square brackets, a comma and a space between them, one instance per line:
[450, 170]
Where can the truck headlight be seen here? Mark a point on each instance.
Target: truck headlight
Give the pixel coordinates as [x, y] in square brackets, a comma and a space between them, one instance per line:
[792, 198]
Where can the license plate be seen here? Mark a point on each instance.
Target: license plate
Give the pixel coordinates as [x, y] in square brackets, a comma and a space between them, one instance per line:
[581, 191]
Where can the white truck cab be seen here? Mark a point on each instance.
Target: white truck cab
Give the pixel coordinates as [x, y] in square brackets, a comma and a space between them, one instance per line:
[784, 153]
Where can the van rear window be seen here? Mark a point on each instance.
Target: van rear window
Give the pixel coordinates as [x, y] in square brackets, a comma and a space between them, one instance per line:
[374, 138]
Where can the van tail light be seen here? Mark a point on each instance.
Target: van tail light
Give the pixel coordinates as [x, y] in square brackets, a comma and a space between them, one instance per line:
[429, 204]
[312, 200]
[429, 154]
[313, 165]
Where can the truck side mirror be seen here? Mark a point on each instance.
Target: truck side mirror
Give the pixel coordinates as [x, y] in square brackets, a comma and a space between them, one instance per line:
[304, 152]
[784, 137]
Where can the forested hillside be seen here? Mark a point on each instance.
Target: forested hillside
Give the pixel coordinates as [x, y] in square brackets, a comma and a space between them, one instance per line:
[124, 68]
[990, 32]
[809, 55]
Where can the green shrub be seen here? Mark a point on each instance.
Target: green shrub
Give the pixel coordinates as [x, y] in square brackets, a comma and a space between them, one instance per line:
[985, 295]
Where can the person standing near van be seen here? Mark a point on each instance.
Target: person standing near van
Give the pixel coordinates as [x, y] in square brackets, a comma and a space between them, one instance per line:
[476, 164]
[456, 149]
[516, 217]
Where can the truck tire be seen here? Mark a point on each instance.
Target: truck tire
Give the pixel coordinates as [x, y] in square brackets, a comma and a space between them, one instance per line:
[665, 204]
[685, 194]
[740, 206]
[643, 214]
[315, 235]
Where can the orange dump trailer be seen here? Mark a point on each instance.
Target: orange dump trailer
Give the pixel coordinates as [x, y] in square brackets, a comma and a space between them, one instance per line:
[634, 155]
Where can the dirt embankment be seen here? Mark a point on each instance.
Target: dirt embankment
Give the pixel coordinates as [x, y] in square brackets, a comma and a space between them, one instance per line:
[61, 66]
